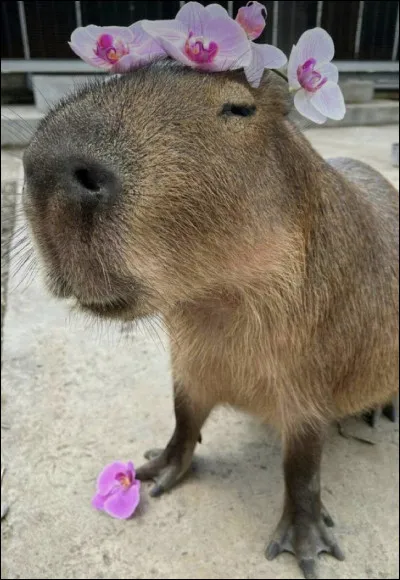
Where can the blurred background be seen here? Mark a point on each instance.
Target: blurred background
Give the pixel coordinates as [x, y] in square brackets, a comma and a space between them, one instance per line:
[363, 31]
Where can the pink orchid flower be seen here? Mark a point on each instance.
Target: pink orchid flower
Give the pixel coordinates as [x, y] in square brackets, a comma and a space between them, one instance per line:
[204, 38]
[252, 19]
[315, 78]
[118, 492]
[116, 49]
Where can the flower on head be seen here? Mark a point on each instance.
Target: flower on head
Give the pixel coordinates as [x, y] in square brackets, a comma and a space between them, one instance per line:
[207, 38]
[252, 19]
[115, 48]
[202, 37]
[118, 492]
[315, 78]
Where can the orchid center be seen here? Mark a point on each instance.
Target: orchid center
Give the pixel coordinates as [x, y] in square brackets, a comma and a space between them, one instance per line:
[310, 79]
[110, 49]
[124, 480]
[200, 49]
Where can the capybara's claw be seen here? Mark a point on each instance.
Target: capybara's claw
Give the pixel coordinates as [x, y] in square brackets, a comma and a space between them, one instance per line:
[306, 539]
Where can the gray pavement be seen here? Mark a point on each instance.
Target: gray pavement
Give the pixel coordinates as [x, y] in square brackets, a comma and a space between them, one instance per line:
[76, 397]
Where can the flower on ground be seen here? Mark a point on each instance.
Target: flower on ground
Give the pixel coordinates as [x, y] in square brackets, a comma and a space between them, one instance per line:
[252, 19]
[118, 492]
[202, 37]
[116, 49]
[314, 78]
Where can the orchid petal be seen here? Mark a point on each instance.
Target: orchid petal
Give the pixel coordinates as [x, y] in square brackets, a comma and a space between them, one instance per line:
[130, 470]
[145, 55]
[88, 34]
[143, 42]
[173, 30]
[329, 71]
[194, 17]
[122, 32]
[293, 64]
[90, 58]
[107, 478]
[138, 32]
[122, 504]
[234, 49]
[254, 71]
[98, 501]
[304, 106]
[171, 35]
[130, 62]
[124, 65]
[217, 11]
[263, 56]
[315, 43]
[252, 19]
[329, 101]
[176, 51]
[271, 56]
[83, 35]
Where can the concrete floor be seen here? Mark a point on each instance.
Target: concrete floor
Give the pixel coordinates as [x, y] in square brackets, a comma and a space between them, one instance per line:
[75, 398]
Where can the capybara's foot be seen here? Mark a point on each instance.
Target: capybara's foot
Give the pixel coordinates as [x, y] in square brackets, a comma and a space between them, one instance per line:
[166, 467]
[389, 411]
[305, 537]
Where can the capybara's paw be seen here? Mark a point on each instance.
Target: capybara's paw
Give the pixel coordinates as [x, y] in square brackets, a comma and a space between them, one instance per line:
[165, 468]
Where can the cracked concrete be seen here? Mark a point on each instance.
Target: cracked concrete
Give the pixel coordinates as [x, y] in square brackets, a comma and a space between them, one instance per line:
[75, 398]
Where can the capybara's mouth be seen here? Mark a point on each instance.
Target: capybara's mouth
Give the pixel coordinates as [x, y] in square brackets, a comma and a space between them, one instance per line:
[105, 295]
[104, 307]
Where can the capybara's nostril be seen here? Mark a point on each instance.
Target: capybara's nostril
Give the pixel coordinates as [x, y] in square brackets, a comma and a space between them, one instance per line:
[88, 179]
[91, 184]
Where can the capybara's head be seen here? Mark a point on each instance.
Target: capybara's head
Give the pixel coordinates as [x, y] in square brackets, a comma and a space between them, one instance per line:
[158, 186]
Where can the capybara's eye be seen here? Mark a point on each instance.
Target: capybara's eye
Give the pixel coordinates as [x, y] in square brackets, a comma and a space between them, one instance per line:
[230, 109]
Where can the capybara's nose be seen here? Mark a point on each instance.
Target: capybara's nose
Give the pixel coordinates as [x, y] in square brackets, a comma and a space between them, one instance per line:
[89, 183]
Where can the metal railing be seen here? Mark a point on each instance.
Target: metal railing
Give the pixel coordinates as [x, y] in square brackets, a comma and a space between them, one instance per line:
[35, 34]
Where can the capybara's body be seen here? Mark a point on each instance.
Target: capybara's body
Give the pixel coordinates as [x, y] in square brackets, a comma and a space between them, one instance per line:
[193, 196]
[315, 340]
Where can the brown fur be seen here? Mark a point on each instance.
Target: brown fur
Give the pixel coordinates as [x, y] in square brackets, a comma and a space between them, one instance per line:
[276, 273]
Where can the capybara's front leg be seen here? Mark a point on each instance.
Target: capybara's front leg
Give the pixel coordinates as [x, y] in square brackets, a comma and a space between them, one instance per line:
[167, 466]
